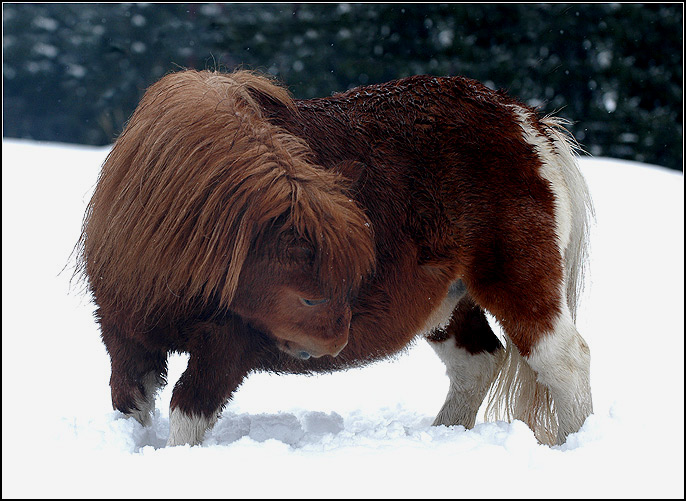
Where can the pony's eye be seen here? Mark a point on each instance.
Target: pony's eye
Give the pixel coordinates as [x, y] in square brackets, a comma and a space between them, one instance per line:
[312, 302]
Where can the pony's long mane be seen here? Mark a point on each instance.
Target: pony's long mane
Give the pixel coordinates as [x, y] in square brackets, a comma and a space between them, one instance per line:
[196, 179]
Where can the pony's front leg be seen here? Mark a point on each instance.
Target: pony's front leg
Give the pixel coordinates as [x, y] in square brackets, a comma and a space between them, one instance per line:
[220, 357]
[137, 370]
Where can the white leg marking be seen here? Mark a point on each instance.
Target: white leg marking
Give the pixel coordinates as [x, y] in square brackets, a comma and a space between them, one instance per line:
[187, 429]
[146, 403]
[470, 377]
[562, 361]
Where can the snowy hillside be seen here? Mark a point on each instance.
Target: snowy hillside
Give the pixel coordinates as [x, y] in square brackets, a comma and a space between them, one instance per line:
[361, 433]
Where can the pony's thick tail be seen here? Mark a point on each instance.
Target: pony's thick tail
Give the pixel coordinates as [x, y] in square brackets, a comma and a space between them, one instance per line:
[515, 392]
[581, 207]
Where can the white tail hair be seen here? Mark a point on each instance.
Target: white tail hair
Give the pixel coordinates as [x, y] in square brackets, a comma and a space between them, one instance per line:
[576, 253]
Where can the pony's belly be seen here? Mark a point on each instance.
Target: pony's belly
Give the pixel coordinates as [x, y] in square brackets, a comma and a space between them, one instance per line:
[441, 315]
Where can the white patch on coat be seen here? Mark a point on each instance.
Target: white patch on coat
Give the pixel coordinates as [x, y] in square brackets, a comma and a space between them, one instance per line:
[470, 376]
[551, 171]
[187, 429]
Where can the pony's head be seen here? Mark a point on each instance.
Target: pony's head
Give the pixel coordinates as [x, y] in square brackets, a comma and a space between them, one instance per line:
[202, 201]
[287, 299]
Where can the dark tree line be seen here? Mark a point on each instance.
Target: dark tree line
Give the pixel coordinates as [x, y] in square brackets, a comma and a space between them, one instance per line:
[75, 72]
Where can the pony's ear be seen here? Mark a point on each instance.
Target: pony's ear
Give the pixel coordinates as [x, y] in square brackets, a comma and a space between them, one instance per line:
[268, 94]
[353, 171]
[268, 101]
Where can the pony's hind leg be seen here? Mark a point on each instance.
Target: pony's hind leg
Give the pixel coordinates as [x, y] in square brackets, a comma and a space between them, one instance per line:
[527, 296]
[562, 360]
[472, 355]
[137, 373]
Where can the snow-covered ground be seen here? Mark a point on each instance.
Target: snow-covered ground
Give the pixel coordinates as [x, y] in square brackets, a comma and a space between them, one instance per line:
[361, 433]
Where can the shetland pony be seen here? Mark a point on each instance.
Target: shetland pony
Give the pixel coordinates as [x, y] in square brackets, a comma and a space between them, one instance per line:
[258, 232]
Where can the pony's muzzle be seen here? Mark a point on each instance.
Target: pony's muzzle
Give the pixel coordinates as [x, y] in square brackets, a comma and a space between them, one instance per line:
[313, 348]
[318, 349]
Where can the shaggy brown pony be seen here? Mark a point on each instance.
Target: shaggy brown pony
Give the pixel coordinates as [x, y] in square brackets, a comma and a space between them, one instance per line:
[258, 232]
